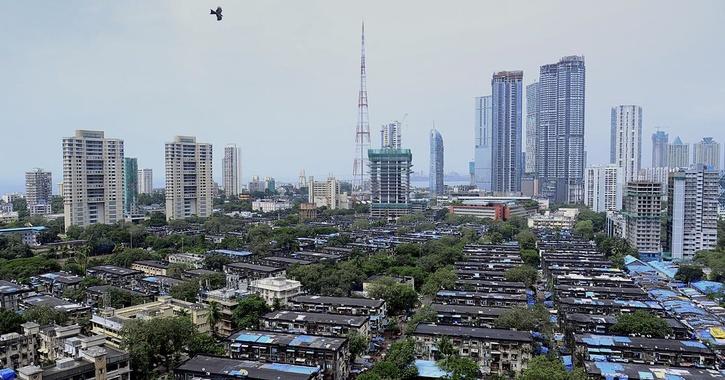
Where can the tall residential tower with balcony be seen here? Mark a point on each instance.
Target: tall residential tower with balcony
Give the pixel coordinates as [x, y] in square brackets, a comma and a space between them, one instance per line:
[188, 178]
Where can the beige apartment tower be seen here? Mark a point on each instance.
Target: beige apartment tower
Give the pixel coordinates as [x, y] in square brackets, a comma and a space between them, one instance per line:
[232, 174]
[92, 179]
[188, 178]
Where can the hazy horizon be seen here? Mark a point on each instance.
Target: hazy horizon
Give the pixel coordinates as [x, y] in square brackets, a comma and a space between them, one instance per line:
[280, 79]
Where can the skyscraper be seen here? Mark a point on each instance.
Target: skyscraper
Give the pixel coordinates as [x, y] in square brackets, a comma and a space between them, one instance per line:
[38, 191]
[189, 182]
[92, 179]
[707, 152]
[145, 181]
[603, 187]
[435, 176]
[130, 184]
[560, 149]
[483, 152]
[506, 138]
[692, 205]
[390, 135]
[232, 174]
[532, 123]
[660, 141]
[642, 209]
[678, 154]
[390, 181]
[626, 140]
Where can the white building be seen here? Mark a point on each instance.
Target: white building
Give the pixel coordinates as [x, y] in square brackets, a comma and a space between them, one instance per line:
[327, 194]
[692, 205]
[275, 288]
[603, 186]
[626, 140]
[707, 152]
[270, 205]
[38, 191]
[232, 174]
[483, 154]
[188, 178]
[145, 181]
[390, 135]
[678, 154]
[642, 211]
[92, 179]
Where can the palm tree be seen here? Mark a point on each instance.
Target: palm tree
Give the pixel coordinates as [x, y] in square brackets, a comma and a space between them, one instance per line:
[445, 347]
[214, 315]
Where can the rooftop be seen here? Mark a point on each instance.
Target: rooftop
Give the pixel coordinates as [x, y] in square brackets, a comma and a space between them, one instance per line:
[648, 372]
[324, 318]
[50, 301]
[283, 339]
[465, 309]
[61, 277]
[473, 332]
[234, 368]
[342, 301]
[114, 270]
[593, 340]
[152, 263]
[7, 287]
[254, 267]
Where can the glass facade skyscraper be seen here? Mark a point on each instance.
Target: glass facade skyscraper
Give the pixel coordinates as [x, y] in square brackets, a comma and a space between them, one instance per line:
[507, 96]
[435, 176]
[532, 123]
[483, 153]
[130, 184]
[660, 141]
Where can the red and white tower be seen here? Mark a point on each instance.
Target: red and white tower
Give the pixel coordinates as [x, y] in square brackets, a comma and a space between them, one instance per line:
[362, 132]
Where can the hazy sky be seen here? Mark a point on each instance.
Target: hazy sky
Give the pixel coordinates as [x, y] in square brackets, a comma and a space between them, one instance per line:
[280, 78]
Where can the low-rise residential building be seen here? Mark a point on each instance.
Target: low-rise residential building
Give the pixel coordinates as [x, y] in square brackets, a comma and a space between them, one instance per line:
[667, 352]
[270, 205]
[563, 219]
[275, 290]
[75, 312]
[496, 351]
[376, 310]
[463, 315]
[485, 286]
[600, 292]
[160, 285]
[607, 371]
[114, 275]
[109, 322]
[190, 259]
[91, 363]
[226, 300]
[56, 283]
[20, 349]
[600, 324]
[221, 368]
[96, 295]
[29, 235]
[315, 323]
[151, 267]
[239, 275]
[11, 293]
[331, 354]
[458, 297]
[607, 307]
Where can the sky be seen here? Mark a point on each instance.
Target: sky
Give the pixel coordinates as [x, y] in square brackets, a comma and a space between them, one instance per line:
[280, 78]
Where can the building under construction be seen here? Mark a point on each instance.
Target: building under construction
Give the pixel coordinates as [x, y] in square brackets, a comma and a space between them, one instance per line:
[390, 181]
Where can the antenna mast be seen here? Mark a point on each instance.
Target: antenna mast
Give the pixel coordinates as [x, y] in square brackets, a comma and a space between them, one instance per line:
[362, 132]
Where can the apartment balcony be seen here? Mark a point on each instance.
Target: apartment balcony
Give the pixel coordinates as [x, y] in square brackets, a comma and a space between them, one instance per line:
[95, 186]
[95, 199]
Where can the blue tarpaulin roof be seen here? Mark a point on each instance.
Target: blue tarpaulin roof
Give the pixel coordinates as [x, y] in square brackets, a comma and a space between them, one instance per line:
[429, 369]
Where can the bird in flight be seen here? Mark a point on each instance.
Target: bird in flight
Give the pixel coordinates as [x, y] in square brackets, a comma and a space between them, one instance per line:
[217, 12]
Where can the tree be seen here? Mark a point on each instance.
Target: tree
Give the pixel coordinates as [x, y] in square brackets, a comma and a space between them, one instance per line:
[398, 364]
[216, 262]
[186, 291]
[443, 278]
[689, 273]
[584, 229]
[155, 342]
[524, 319]
[248, 312]
[399, 297]
[45, 315]
[545, 368]
[522, 273]
[530, 257]
[10, 321]
[215, 315]
[424, 314]
[526, 239]
[445, 347]
[176, 270]
[460, 368]
[203, 344]
[358, 344]
[641, 323]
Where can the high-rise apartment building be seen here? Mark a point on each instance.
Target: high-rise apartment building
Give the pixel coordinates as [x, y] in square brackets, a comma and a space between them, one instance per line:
[145, 181]
[656, 174]
[603, 187]
[435, 176]
[188, 178]
[692, 204]
[532, 123]
[642, 211]
[560, 156]
[707, 152]
[92, 179]
[483, 145]
[390, 135]
[232, 174]
[390, 181]
[326, 194]
[38, 191]
[507, 131]
[660, 140]
[130, 184]
[626, 140]
[678, 154]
